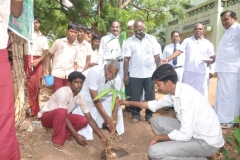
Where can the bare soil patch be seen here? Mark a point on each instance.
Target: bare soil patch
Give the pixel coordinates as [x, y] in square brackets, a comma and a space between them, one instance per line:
[35, 142]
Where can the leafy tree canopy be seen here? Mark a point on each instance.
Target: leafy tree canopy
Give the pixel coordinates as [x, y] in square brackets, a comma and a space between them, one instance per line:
[98, 14]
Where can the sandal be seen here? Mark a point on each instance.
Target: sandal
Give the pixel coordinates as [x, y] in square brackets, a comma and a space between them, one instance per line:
[135, 120]
[227, 125]
[57, 146]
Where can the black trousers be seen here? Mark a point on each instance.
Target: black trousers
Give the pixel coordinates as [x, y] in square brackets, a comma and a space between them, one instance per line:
[137, 86]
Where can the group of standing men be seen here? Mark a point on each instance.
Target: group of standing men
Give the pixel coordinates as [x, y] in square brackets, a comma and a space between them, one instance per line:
[199, 54]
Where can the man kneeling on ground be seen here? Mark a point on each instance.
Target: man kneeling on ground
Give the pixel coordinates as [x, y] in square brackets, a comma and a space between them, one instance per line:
[56, 114]
[195, 134]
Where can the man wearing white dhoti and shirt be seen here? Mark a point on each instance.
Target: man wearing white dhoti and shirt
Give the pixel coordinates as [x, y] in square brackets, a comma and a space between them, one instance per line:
[227, 65]
[196, 49]
[98, 79]
[110, 47]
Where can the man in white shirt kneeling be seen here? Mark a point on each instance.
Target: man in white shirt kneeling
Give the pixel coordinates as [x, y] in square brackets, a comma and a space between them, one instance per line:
[195, 134]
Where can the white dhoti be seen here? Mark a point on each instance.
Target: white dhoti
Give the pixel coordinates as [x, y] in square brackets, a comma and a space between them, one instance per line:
[197, 81]
[227, 101]
[87, 132]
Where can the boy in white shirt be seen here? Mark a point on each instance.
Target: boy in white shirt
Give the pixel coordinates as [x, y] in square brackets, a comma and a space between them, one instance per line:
[195, 134]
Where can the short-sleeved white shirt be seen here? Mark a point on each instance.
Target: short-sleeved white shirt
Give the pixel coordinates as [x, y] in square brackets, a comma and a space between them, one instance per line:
[168, 51]
[39, 44]
[63, 98]
[228, 51]
[64, 57]
[196, 116]
[4, 20]
[141, 53]
[109, 48]
[84, 50]
[195, 52]
[95, 80]
[94, 56]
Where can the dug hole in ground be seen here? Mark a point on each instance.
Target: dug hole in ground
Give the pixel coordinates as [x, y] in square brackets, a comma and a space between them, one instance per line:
[35, 140]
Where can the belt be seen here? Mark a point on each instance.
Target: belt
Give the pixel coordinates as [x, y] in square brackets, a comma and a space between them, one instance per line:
[119, 60]
[177, 67]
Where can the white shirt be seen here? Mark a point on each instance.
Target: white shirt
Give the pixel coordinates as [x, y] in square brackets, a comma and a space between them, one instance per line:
[141, 53]
[39, 44]
[228, 51]
[195, 52]
[64, 57]
[63, 98]
[94, 56]
[95, 80]
[168, 51]
[4, 20]
[109, 48]
[195, 114]
[84, 50]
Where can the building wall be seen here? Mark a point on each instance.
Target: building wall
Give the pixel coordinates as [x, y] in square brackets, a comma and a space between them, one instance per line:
[207, 13]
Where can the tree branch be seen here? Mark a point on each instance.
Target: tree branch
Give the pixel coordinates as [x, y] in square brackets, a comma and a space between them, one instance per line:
[149, 10]
[122, 5]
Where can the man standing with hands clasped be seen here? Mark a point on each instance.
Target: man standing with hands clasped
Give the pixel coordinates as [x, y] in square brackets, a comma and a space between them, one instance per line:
[195, 134]
[227, 102]
[142, 54]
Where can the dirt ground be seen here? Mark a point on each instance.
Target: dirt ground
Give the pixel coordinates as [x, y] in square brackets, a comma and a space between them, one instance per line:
[35, 141]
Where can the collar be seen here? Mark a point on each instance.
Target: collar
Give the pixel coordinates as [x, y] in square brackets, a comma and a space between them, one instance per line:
[177, 90]
[176, 44]
[193, 38]
[70, 93]
[65, 40]
[84, 42]
[234, 25]
[112, 36]
[39, 33]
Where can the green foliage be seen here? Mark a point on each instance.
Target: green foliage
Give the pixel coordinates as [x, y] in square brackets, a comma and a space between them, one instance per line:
[103, 93]
[114, 91]
[229, 139]
[236, 139]
[155, 13]
[225, 153]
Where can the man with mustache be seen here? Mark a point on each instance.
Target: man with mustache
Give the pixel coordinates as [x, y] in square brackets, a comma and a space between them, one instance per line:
[65, 55]
[227, 102]
[196, 49]
[98, 79]
[142, 54]
[110, 46]
[57, 114]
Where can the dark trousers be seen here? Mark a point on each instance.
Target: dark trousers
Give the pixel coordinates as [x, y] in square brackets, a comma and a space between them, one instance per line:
[128, 94]
[137, 86]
